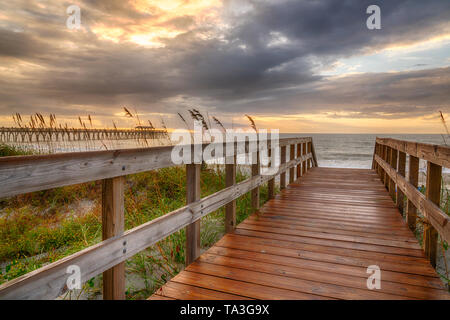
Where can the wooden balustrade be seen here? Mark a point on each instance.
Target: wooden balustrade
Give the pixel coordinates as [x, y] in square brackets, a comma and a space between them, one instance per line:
[433, 194]
[393, 163]
[25, 174]
[392, 173]
[256, 170]
[387, 157]
[299, 154]
[193, 229]
[113, 224]
[230, 208]
[309, 161]
[413, 174]
[304, 162]
[283, 161]
[271, 183]
[291, 157]
[399, 197]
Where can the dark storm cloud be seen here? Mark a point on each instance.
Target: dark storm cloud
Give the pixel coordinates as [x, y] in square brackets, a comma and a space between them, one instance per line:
[380, 95]
[339, 27]
[17, 44]
[263, 63]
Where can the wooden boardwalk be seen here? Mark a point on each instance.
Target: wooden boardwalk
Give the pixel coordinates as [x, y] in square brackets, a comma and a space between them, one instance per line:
[315, 240]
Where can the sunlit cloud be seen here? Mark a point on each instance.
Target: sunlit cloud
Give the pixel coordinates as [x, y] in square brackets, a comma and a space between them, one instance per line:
[404, 48]
[290, 64]
[161, 20]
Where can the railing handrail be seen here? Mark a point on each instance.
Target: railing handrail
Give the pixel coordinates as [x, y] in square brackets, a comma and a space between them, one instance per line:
[435, 153]
[58, 129]
[24, 174]
[50, 281]
[389, 161]
[432, 212]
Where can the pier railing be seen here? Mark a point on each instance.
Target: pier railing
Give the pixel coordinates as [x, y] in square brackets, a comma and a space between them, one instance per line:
[36, 135]
[390, 162]
[19, 175]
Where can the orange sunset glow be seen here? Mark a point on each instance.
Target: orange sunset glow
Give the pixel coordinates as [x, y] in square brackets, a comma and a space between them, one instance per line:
[188, 152]
[228, 58]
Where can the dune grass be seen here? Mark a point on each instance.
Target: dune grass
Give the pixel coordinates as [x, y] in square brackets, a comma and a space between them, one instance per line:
[43, 227]
[7, 150]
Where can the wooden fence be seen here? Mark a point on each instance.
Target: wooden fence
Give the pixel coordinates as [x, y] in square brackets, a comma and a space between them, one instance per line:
[390, 162]
[25, 174]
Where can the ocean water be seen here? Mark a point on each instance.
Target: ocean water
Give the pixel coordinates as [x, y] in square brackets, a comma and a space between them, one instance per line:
[356, 150]
[332, 150]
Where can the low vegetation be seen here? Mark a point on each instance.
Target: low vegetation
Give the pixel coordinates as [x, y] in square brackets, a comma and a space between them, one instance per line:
[6, 151]
[442, 268]
[42, 227]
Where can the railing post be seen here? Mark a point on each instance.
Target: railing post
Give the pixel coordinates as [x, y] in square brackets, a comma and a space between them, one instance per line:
[411, 211]
[282, 161]
[304, 162]
[192, 195]
[256, 170]
[380, 153]
[271, 183]
[383, 156]
[401, 170]
[299, 166]
[433, 193]
[313, 154]
[393, 163]
[230, 208]
[310, 151]
[386, 175]
[113, 224]
[291, 157]
[375, 151]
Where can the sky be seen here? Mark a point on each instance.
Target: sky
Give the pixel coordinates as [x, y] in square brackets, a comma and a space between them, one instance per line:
[306, 66]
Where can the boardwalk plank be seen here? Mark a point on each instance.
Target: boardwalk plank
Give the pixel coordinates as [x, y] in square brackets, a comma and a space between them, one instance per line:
[330, 229]
[177, 290]
[259, 241]
[315, 240]
[243, 288]
[417, 280]
[274, 218]
[334, 256]
[324, 277]
[328, 242]
[289, 283]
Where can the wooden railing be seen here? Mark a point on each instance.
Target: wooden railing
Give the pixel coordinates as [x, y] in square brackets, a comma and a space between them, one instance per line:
[25, 174]
[390, 163]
